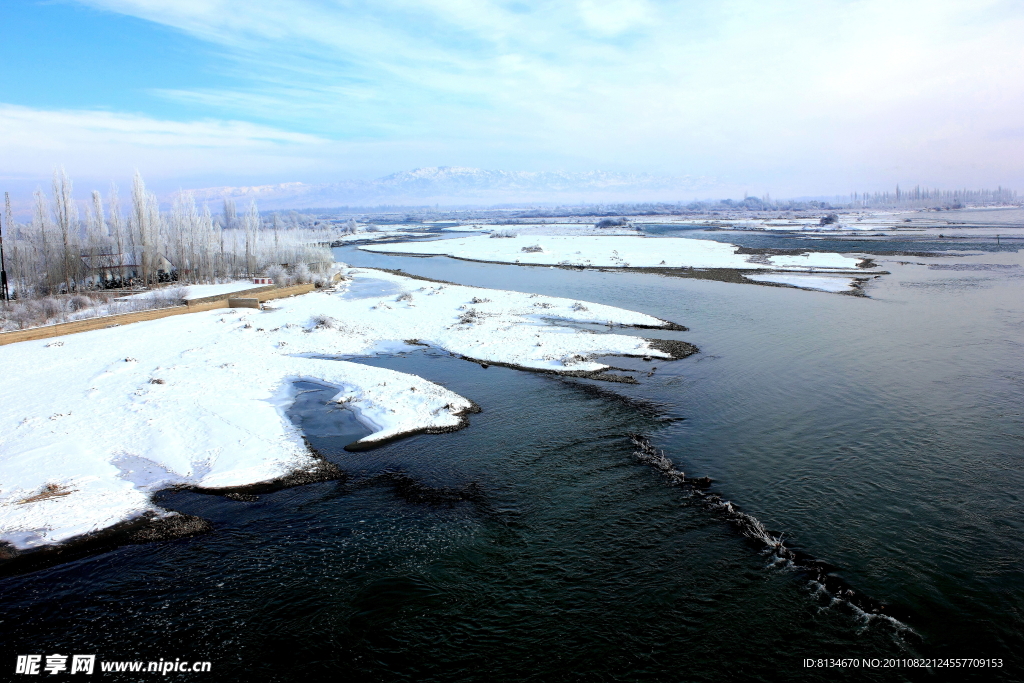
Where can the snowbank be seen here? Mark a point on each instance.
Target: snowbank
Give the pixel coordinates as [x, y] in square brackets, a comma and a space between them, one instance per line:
[619, 252]
[202, 291]
[820, 283]
[91, 424]
[378, 234]
[196, 291]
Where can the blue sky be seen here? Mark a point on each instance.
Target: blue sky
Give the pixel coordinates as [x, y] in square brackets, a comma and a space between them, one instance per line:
[793, 97]
[62, 55]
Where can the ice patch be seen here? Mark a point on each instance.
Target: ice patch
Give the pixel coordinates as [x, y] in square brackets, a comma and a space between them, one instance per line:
[366, 288]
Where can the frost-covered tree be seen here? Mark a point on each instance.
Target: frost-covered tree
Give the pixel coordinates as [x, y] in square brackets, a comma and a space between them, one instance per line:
[42, 231]
[145, 226]
[97, 235]
[252, 229]
[54, 252]
[13, 250]
[117, 230]
[65, 215]
[229, 214]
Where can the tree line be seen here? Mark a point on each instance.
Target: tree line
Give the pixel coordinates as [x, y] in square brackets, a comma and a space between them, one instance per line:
[118, 246]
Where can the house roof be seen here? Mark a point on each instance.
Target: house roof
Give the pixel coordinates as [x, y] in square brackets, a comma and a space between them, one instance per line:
[123, 260]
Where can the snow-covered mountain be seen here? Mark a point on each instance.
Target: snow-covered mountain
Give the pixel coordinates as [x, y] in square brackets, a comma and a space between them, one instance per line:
[455, 185]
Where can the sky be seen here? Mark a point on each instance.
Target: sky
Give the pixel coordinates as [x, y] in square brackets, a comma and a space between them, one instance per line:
[790, 98]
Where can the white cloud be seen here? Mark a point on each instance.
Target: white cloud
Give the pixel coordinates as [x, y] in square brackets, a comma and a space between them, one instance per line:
[60, 129]
[614, 17]
[797, 96]
[97, 142]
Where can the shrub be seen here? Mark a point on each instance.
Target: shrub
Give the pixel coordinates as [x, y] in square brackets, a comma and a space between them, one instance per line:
[278, 274]
[323, 322]
[469, 317]
[301, 274]
[23, 316]
[78, 302]
[48, 308]
[164, 298]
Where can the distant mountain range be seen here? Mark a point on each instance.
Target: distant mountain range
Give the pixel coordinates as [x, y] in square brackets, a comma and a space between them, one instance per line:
[459, 186]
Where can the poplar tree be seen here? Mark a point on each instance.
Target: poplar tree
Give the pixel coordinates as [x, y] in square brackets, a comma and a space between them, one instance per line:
[117, 228]
[65, 214]
[252, 226]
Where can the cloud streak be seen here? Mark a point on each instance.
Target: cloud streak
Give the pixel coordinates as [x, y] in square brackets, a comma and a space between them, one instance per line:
[99, 142]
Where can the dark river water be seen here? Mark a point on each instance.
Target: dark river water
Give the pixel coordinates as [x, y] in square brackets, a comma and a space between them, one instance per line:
[883, 435]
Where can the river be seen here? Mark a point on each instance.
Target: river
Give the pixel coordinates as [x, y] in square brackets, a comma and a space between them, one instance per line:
[880, 434]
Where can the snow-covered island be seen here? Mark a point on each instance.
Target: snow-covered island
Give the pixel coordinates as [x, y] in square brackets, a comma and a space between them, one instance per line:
[93, 424]
[623, 252]
[824, 271]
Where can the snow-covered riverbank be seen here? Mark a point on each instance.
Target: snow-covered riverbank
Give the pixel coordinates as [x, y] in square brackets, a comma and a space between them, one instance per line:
[622, 252]
[200, 291]
[92, 424]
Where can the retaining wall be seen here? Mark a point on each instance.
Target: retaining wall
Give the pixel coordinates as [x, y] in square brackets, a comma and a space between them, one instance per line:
[194, 306]
[236, 293]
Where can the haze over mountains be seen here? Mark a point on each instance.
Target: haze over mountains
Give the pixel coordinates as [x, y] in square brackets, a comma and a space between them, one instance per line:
[455, 186]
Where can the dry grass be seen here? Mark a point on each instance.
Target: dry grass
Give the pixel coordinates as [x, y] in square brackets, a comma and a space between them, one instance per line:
[49, 491]
[471, 316]
[50, 310]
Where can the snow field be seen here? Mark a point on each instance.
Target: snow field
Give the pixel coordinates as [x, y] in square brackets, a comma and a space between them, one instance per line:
[98, 421]
[619, 251]
[197, 291]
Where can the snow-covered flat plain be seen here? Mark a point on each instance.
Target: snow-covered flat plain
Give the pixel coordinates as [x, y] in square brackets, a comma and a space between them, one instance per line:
[92, 424]
[582, 227]
[975, 221]
[620, 251]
